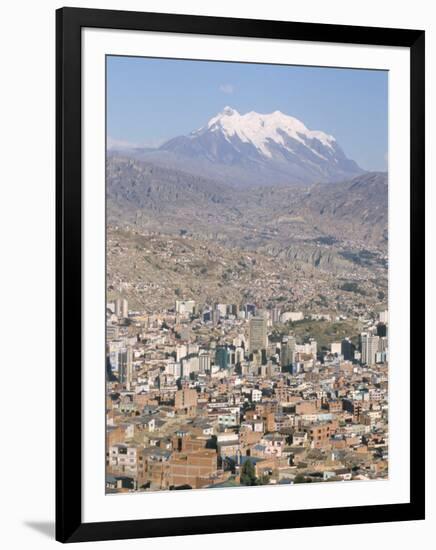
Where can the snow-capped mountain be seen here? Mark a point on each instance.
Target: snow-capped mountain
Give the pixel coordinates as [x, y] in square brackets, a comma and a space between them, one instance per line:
[261, 148]
[265, 131]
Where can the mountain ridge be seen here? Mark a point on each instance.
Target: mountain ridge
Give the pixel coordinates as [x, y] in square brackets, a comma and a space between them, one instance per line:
[143, 194]
[255, 149]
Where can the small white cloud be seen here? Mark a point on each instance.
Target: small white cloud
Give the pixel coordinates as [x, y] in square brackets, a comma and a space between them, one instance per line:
[120, 145]
[227, 88]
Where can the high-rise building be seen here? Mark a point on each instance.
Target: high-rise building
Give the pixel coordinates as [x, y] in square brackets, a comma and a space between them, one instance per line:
[125, 366]
[121, 308]
[216, 316]
[369, 347]
[124, 308]
[347, 349]
[112, 354]
[313, 347]
[275, 315]
[383, 344]
[174, 368]
[287, 351]
[204, 361]
[233, 309]
[381, 329]
[190, 364]
[383, 317]
[222, 308]
[250, 310]
[232, 355]
[258, 338]
[239, 354]
[222, 357]
[181, 352]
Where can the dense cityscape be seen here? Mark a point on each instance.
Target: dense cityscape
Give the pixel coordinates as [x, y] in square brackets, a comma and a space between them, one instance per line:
[223, 395]
[246, 281]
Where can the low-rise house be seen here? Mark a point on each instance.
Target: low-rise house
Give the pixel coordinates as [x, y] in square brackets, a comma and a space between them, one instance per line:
[192, 469]
[342, 474]
[300, 439]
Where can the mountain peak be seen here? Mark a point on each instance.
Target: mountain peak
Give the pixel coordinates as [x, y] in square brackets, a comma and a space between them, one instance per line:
[265, 131]
[229, 111]
[278, 144]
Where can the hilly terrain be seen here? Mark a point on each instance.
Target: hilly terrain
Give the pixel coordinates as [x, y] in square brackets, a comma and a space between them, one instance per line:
[312, 233]
[152, 270]
[163, 199]
[249, 207]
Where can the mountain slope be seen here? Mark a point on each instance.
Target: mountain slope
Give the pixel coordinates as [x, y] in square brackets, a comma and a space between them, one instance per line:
[352, 209]
[253, 149]
[153, 197]
[156, 198]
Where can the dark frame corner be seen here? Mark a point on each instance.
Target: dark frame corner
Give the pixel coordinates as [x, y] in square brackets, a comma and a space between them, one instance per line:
[69, 22]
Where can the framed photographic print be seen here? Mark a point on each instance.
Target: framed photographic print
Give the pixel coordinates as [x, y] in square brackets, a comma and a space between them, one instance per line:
[240, 274]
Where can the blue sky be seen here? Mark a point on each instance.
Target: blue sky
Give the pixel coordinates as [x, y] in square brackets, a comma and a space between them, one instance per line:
[151, 100]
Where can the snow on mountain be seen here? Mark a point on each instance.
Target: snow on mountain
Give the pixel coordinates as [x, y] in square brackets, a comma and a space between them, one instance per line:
[256, 149]
[261, 129]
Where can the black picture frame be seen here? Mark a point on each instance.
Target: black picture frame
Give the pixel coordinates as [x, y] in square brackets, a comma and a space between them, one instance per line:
[69, 22]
